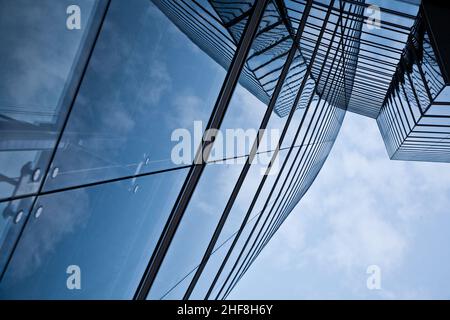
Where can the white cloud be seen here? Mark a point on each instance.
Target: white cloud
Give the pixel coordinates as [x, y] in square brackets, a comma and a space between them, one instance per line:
[363, 209]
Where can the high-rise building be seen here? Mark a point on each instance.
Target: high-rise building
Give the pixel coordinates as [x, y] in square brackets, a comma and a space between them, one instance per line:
[151, 149]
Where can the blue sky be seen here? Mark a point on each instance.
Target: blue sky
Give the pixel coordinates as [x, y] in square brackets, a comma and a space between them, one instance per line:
[363, 209]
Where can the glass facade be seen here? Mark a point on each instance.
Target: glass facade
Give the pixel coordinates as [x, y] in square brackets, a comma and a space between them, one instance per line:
[92, 119]
[415, 117]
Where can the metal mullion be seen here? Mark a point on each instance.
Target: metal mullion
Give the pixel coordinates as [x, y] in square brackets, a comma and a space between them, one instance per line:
[295, 174]
[255, 146]
[371, 76]
[181, 12]
[394, 100]
[209, 13]
[273, 45]
[387, 25]
[399, 119]
[303, 171]
[362, 56]
[273, 188]
[347, 50]
[366, 42]
[242, 250]
[183, 199]
[384, 130]
[405, 96]
[394, 126]
[315, 143]
[419, 104]
[253, 254]
[309, 161]
[276, 57]
[359, 94]
[255, 197]
[204, 36]
[228, 37]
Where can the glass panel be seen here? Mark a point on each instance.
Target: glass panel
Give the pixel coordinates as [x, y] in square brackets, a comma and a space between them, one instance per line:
[444, 95]
[210, 270]
[13, 216]
[109, 231]
[196, 228]
[38, 65]
[408, 95]
[236, 217]
[146, 79]
[218, 180]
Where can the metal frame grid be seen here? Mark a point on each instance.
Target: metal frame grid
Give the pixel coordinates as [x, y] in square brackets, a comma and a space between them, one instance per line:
[415, 118]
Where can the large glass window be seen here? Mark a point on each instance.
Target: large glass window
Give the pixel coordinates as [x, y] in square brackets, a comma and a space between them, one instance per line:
[108, 231]
[146, 79]
[39, 62]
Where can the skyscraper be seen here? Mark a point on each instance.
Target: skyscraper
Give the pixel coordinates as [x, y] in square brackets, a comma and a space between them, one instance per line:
[95, 95]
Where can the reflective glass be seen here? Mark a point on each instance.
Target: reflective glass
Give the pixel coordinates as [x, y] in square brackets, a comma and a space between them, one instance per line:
[12, 219]
[40, 62]
[108, 231]
[236, 216]
[196, 228]
[146, 79]
[218, 180]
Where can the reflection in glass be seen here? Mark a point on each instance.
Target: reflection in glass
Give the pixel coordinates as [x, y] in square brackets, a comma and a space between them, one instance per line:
[38, 60]
[145, 80]
[109, 231]
[12, 218]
